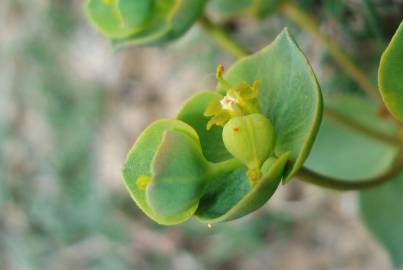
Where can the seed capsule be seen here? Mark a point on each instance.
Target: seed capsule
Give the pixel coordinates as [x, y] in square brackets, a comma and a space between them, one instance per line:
[250, 139]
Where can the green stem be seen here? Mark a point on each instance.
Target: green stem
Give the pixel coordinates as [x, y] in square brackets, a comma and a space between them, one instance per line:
[305, 21]
[369, 132]
[222, 38]
[219, 169]
[318, 179]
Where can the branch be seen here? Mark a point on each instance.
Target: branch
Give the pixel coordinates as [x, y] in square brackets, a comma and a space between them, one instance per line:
[222, 38]
[318, 179]
[372, 133]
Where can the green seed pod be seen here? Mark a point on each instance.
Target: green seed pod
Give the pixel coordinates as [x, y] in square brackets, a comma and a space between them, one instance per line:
[250, 139]
[140, 22]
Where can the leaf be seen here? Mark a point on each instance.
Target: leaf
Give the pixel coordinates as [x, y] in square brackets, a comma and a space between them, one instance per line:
[157, 27]
[342, 152]
[382, 211]
[170, 20]
[390, 75]
[120, 19]
[211, 140]
[232, 196]
[138, 163]
[179, 176]
[289, 96]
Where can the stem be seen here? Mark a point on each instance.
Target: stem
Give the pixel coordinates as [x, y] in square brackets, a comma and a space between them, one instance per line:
[222, 38]
[221, 168]
[372, 133]
[303, 20]
[318, 179]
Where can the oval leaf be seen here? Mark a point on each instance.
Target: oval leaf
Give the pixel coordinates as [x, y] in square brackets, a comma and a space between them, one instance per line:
[138, 163]
[342, 152]
[289, 96]
[381, 209]
[118, 19]
[170, 20]
[179, 176]
[232, 196]
[390, 75]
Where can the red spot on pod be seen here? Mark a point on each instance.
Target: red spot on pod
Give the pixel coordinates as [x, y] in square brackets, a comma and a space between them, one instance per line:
[235, 129]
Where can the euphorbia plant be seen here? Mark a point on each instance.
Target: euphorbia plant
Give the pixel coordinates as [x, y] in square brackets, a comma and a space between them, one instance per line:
[227, 150]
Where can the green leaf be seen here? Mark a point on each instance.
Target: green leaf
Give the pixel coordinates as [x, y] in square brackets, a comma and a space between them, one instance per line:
[343, 152]
[170, 20]
[232, 196]
[289, 96]
[179, 176]
[157, 27]
[381, 209]
[390, 75]
[139, 159]
[211, 140]
[118, 19]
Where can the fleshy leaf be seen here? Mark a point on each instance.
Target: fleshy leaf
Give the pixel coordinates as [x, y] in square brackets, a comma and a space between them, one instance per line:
[233, 197]
[117, 19]
[170, 19]
[179, 176]
[342, 152]
[138, 163]
[289, 96]
[381, 209]
[390, 75]
[211, 140]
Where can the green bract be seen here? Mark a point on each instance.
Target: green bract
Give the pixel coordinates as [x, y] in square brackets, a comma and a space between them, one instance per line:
[143, 22]
[390, 75]
[335, 142]
[228, 150]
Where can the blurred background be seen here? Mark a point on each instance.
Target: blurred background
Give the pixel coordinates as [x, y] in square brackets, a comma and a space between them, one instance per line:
[70, 108]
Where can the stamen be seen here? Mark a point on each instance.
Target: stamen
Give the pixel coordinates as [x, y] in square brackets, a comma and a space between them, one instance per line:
[227, 102]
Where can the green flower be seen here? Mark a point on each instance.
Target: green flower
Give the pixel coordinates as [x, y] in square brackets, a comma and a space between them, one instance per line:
[178, 168]
[239, 100]
[248, 135]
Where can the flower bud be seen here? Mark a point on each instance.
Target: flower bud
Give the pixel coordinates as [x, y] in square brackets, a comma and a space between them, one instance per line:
[250, 139]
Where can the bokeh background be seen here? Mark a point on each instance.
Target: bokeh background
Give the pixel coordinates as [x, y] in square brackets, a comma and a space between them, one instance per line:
[70, 108]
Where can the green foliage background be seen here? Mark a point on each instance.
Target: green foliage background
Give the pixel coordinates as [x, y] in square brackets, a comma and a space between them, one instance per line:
[56, 212]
